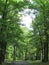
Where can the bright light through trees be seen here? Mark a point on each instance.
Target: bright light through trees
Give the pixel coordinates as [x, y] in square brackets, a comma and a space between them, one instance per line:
[27, 17]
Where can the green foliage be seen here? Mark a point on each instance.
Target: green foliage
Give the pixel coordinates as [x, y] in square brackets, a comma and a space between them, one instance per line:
[22, 43]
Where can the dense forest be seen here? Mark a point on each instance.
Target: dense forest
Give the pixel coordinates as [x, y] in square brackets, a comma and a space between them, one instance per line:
[18, 42]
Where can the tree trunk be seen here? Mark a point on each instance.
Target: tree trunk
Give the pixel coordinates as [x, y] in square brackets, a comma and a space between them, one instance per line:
[2, 51]
[46, 36]
[38, 54]
[14, 53]
[3, 43]
[42, 52]
[26, 54]
[46, 49]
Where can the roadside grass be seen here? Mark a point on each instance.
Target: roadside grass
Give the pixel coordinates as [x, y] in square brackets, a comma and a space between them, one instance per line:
[38, 62]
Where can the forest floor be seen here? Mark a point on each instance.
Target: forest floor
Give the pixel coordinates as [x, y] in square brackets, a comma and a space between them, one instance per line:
[27, 63]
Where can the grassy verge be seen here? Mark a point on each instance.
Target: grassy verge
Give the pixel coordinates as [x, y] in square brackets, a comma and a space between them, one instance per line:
[38, 62]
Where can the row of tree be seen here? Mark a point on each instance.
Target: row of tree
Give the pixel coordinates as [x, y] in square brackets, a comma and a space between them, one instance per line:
[10, 31]
[17, 42]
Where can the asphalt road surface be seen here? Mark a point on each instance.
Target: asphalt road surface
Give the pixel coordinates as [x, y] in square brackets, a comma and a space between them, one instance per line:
[18, 63]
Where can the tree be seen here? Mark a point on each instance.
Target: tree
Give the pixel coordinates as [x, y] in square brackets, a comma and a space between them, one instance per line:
[41, 9]
[9, 30]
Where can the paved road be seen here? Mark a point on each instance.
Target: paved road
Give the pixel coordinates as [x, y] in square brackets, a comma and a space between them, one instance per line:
[18, 63]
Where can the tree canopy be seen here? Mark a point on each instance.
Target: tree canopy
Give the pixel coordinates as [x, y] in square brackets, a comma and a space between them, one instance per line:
[18, 42]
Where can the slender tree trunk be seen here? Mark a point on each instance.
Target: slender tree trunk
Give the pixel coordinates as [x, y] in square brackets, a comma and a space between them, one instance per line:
[3, 43]
[2, 51]
[26, 54]
[42, 52]
[38, 54]
[14, 53]
[42, 56]
[46, 36]
[46, 49]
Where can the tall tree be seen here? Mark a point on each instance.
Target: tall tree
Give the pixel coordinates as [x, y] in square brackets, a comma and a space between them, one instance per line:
[41, 8]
